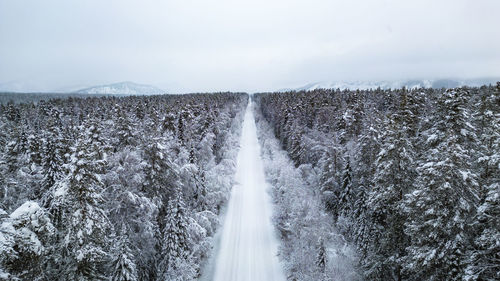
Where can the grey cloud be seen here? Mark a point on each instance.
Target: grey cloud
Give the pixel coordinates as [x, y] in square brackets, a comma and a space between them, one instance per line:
[196, 45]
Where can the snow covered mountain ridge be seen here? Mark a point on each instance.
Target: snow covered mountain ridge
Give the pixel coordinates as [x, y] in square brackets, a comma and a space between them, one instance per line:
[122, 88]
[410, 84]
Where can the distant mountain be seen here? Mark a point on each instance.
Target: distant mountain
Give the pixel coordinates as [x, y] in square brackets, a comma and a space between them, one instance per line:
[410, 84]
[122, 88]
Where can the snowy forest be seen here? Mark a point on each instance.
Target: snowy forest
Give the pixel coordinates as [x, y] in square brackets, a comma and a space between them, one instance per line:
[376, 184]
[262, 140]
[409, 178]
[114, 188]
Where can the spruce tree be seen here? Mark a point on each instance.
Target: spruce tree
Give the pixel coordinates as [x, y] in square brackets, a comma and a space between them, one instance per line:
[444, 197]
[124, 264]
[86, 226]
[24, 241]
[484, 255]
[484, 258]
[124, 129]
[321, 257]
[346, 191]
[394, 175]
[175, 242]
[52, 160]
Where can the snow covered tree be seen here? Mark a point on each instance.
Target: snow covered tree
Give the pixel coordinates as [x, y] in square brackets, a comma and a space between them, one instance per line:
[161, 175]
[56, 153]
[394, 175]
[85, 243]
[126, 204]
[24, 237]
[445, 193]
[183, 118]
[124, 129]
[175, 244]
[3, 161]
[329, 185]
[52, 160]
[15, 158]
[7, 242]
[346, 198]
[353, 117]
[484, 258]
[124, 264]
[419, 174]
[321, 257]
[195, 186]
[484, 255]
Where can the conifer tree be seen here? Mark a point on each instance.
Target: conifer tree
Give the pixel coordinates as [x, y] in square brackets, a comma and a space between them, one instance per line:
[124, 265]
[393, 179]
[52, 160]
[346, 191]
[126, 204]
[124, 130]
[175, 242]
[329, 181]
[484, 255]
[445, 194]
[159, 170]
[85, 243]
[24, 237]
[484, 258]
[321, 257]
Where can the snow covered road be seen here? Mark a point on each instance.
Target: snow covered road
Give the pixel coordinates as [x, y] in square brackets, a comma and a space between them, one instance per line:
[248, 246]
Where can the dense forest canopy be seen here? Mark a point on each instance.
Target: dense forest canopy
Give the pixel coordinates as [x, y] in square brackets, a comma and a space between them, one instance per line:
[368, 185]
[410, 177]
[120, 188]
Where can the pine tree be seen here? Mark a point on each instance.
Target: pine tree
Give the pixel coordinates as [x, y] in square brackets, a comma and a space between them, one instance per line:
[3, 155]
[393, 179]
[52, 160]
[175, 247]
[346, 191]
[363, 169]
[445, 193]
[161, 175]
[124, 265]
[484, 256]
[14, 160]
[484, 259]
[12, 153]
[126, 204]
[329, 165]
[85, 243]
[24, 237]
[321, 257]
[124, 130]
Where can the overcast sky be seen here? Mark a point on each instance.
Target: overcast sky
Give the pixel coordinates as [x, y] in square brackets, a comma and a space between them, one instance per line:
[253, 45]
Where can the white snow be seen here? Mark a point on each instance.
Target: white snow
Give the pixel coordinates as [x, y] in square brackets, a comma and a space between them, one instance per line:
[248, 249]
[61, 190]
[432, 138]
[27, 209]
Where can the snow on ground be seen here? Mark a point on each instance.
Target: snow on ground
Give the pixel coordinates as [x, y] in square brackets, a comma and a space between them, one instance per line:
[248, 247]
